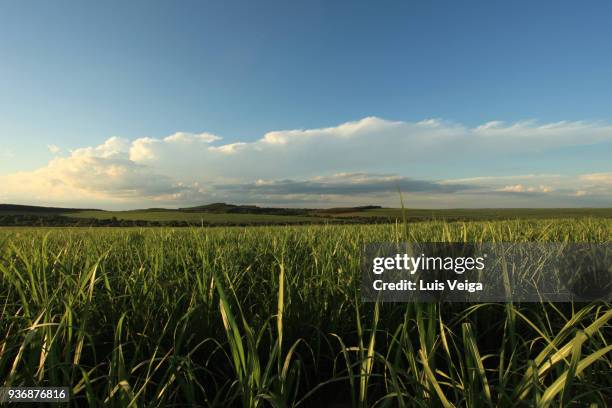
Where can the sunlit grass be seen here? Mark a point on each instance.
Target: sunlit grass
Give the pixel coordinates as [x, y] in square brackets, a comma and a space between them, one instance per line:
[270, 316]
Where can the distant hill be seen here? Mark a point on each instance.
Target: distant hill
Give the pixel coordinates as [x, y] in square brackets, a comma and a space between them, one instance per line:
[20, 209]
[214, 208]
[344, 210]
[224, 214]
[224, 208]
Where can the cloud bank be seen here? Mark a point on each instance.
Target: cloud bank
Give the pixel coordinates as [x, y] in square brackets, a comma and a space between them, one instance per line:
[365, 161]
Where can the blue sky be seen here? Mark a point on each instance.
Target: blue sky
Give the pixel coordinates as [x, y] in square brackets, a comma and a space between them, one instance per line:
[74, 74]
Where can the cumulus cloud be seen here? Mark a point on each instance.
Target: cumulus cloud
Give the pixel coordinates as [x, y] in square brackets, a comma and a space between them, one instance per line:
[598, 184]
[53, 149]
[345, 184]
[183, 137]
[369, 158]
[371, 144]
[103, 172]
[597, 178]
[520, 188]
[537, 190]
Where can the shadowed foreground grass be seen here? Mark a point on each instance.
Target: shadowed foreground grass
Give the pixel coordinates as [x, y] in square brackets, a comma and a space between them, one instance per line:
[270, 316]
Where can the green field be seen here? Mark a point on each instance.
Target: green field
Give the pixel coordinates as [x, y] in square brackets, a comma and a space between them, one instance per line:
[482, 214]
[221, 214]
[270, 316]
[193, 217]
[391, 214]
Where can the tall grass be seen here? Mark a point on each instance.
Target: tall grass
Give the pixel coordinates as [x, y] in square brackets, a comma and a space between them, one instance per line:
[270, 316]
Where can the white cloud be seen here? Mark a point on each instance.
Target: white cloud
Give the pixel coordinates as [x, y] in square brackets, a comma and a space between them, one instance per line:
[367, 156]
[598, 178]
[53, 149]
[529, 177]
[102, 172]
[520, 188]
[371, 144]
[183, 137]
[517, 188]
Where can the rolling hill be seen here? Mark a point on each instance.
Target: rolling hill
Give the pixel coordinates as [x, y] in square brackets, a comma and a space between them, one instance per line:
[232, 214]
